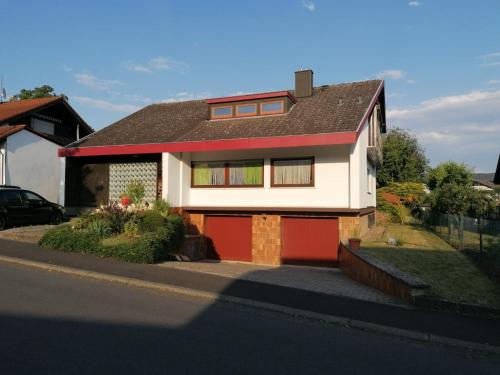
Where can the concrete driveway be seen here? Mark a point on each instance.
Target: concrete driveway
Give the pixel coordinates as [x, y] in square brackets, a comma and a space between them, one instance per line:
[317, 279]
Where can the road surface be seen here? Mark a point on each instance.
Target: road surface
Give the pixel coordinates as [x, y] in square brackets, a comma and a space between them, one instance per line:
[52, 323]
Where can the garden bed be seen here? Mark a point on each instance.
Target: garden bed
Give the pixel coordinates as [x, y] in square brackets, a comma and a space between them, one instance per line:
[451, 274]
[138, 235]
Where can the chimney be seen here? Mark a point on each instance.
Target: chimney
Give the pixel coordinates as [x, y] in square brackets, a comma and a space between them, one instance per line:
[303, 83]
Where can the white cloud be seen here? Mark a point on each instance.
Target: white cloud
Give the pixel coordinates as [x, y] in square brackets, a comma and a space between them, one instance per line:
[391, 73]
[463, 127]
[185, 96]
[411, 81]
[490, 55]
[490, 59]
[156, 64]
[495, 63]
[90, 80]
[106, 105]
[414, 3]
[66, 68]
[493, 82]
[309, 5]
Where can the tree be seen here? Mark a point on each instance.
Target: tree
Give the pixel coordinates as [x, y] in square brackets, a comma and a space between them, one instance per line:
[452, 198]
[449, 173]
[37, 92]
[404, 159]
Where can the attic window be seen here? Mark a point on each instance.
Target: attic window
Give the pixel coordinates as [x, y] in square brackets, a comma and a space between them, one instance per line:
[269, 108]
[246, 110]
[222, 112]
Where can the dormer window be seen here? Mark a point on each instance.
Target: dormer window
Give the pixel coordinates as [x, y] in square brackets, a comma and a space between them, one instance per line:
[271, 108]
[243, 110]
[222, 112]
[270, 103]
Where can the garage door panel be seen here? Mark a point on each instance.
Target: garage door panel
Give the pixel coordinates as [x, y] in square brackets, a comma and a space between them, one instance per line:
[310, 240]
[229, 237]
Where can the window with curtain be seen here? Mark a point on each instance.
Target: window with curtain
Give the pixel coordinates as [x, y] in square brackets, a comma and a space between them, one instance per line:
[246, 172]
[208, 174]
[239, 173]
[293, 172]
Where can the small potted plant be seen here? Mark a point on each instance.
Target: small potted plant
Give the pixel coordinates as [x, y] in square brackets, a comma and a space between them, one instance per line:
[125, 199]
[354, 240]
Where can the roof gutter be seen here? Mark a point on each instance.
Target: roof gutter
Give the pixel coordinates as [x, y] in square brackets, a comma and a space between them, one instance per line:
[323, 139]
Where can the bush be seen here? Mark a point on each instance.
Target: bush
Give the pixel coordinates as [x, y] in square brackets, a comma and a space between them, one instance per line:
[64, 238]
[100, 227]
[150, 221]
[131, 228]
[136, 191]
[162, 207]
[178, 233]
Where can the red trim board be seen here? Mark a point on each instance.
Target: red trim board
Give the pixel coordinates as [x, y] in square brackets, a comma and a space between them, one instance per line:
[216, 145]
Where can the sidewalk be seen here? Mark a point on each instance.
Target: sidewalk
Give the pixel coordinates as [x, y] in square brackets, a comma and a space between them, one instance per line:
[478, 330]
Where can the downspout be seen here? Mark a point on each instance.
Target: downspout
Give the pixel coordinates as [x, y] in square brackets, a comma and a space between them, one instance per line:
[2, 166]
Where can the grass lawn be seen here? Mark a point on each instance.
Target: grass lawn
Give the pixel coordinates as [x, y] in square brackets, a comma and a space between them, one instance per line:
[451, 274]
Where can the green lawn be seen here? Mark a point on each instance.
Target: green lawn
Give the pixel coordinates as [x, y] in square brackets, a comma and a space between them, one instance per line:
[451, 274]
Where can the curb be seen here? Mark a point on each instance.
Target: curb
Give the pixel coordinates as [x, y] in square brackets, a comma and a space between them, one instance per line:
[417, 336]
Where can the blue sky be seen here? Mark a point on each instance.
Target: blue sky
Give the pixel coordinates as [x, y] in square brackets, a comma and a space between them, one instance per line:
[440, 59]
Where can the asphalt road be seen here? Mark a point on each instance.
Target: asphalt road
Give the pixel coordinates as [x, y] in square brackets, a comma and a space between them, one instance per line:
[57, 324]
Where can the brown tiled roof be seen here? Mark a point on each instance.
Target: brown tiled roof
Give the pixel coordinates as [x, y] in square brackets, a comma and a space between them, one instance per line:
[7, 130]
[16, 108]
[331, 109]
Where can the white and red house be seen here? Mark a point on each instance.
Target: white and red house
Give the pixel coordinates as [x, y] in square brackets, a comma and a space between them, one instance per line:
[270, 178]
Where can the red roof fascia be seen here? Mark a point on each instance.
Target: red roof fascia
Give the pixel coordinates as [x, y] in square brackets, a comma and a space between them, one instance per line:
[216, 145]
[265, 95]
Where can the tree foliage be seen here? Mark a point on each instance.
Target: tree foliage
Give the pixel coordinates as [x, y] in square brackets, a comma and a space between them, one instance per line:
[404, 159]
[449, 173]
[37, 92]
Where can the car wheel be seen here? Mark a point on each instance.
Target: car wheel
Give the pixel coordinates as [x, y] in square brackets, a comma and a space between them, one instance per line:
[56, 218]
[2, 222]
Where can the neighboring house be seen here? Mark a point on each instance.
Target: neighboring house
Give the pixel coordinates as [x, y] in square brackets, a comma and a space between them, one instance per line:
[31, 132]
[272, 178]
[487, 181]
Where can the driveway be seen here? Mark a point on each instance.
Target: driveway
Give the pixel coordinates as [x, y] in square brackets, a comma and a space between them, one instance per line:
[317, 279]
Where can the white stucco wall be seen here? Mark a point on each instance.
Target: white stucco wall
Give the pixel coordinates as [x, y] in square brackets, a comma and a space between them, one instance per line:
[331, 180]
[32, 163]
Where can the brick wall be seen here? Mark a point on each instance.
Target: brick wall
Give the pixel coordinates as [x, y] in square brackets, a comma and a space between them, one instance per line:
[266, 239]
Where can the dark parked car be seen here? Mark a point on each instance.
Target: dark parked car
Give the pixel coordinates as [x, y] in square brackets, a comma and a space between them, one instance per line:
[19, 206]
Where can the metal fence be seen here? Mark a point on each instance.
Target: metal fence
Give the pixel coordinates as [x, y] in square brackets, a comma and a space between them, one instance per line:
[463, 232]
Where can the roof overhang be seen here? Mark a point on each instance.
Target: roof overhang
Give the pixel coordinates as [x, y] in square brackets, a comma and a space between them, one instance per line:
[239, 98]
[216, 145]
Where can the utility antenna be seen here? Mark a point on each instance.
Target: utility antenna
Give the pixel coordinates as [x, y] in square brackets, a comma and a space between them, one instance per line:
[3, 93]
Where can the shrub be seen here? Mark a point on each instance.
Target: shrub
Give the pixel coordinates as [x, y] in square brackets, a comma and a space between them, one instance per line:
[64, 238]
[131, 228]
[149, 248]
[400, 212]
[150, 221]
[162, 207]
[115, 215]
[178, 233]
[100, 227]
[136, 191]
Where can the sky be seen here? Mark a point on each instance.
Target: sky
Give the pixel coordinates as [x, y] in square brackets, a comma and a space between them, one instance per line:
[440, 59]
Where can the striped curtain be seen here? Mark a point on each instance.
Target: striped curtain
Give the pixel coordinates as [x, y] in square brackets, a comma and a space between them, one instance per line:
[245, 173]
[208, 174]
[292, 172]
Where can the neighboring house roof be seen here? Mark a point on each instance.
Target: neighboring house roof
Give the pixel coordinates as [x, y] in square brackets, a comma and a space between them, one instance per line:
[496, 178]
[339, 108]
[485, 179]
[10, 111]
[7, 130]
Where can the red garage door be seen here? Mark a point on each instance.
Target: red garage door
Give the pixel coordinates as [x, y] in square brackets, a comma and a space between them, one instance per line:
[310, 240]
[229, 237]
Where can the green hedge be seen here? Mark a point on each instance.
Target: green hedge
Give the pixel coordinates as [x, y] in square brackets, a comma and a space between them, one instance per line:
[150, 247]
[64, 238]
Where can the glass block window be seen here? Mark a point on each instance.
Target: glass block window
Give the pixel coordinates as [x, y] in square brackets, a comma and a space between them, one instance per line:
[121, 174]
[292, 172]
